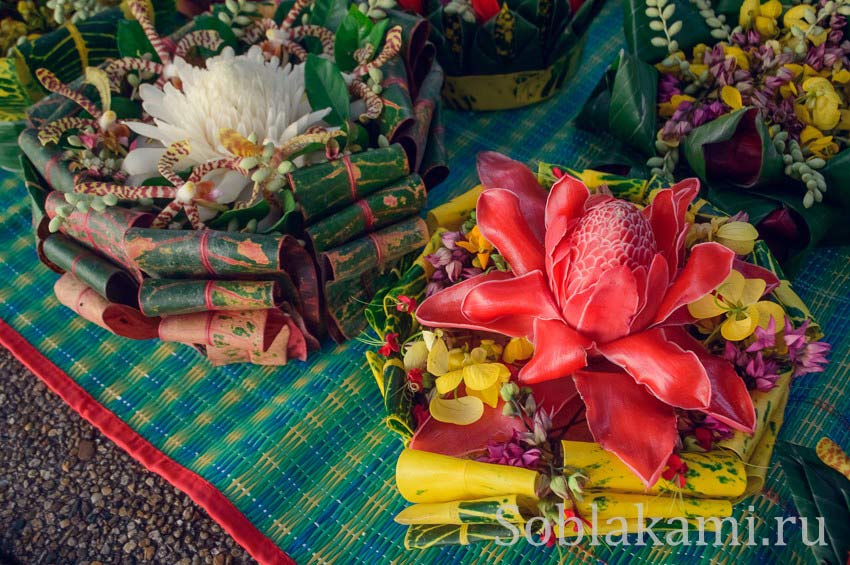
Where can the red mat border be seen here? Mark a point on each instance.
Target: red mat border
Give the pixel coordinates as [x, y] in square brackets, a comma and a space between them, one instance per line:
[202, 492]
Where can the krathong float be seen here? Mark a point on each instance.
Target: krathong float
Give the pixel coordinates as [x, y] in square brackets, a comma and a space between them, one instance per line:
[503, 55]
[612, 347]
[753, 101]
[243, 185]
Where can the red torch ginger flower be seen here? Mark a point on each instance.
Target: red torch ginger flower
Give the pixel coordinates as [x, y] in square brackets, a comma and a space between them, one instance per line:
[601, 288]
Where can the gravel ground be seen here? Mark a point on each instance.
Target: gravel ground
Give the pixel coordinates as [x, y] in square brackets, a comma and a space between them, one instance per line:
[69, 495]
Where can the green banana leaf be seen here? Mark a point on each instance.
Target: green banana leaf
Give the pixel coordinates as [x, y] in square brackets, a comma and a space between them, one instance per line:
[639, 35]
[632, 106]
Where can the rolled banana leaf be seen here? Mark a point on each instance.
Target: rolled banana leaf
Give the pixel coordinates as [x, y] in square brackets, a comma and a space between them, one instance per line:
[161, 297]
[103, 232]
[390, 243]
[423, 477]
[480, 511]
[435, 535]
[104, 277]
[119, 319]
[233, 337]
[716, 474]
[401, 199]
[397, 99]
[325, 188]
[434, 166]
[416, 51]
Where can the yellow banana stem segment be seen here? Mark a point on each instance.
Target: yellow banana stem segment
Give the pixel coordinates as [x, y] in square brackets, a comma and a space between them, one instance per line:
[632, 506]
[718, 474]
[455, 212]
[430, 477]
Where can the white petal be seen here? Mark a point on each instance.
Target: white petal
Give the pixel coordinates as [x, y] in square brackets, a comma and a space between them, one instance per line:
[142, 161]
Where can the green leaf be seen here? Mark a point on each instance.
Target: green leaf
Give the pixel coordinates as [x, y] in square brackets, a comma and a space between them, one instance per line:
[347, 40]
[281, 11]
[733, 128]
[639, 35]
[126, 109]
[836, 173]
[329, 13]
[326, 88]
[215, 24]
[375, 37]
[9, 152]
[258, 211]
[633, 110]
[132, 41]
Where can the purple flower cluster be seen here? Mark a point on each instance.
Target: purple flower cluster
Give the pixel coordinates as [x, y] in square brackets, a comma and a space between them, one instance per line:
[451, 263]
[516, 452]
[762, 362]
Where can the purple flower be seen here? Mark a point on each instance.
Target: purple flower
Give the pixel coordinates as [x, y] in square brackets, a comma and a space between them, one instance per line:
[765, 338]
[449, 239]
[514, 452]
[806, 356]
[439, 258]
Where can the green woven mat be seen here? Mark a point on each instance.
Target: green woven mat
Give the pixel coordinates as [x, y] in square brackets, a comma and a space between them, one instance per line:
[302, 451]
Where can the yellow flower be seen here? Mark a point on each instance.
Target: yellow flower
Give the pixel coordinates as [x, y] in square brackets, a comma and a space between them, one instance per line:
[739, 300]
[841, 76]
[762, 17]
[666, 109]
[518, 349]
[740, 237]
[483, 380]
[739, 55]
[478, 244]
[844, 123]
[822, 101]
[731, 96]
[824, 147]
[801, 16]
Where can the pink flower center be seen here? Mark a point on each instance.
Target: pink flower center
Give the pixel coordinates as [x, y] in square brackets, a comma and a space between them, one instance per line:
[609, 235]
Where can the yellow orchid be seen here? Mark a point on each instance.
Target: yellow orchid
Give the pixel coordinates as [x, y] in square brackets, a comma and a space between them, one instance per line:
[739, 300]
[478, 244]
[518, 349]
[822, 102]
[666, 109]
[819, 144]
[482, 378]
[761, 17]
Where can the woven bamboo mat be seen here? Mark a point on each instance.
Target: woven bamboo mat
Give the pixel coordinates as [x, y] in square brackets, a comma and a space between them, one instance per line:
[302, 452]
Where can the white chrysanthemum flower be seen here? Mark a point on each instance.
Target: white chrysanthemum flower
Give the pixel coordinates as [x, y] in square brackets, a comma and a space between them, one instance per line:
[246, 93]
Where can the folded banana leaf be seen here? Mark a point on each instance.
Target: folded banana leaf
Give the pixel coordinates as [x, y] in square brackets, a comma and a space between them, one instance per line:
[415, 136]
[479, 511]
[416, 51]
[161, 297]
[398, 398]
[435, 535]
[434, 166]
[119, 319]
[49, 161]
[104, 277]
[103, 232]
[262, 337]
[326, 188]
[397, 98]
[819, 493]
[399, 200]
[622, 505]
[187, 254]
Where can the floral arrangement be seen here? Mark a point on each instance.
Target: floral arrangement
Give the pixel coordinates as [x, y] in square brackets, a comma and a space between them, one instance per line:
[240, 185]
[502, 55]
[551, 357]
[753, 102]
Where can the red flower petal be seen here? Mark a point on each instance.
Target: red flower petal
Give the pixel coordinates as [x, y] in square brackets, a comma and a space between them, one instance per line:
[485, 9]
[501, 221]
[460, 441]
[675, 376]
[498, 171]
[708, 266]
[604, 311]
[628, 421]
[443, 309]
[558, 352]
[666, 215]
[657, 281]
[526, 296]
[751, 271]
[730, 400]
[564, 206]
